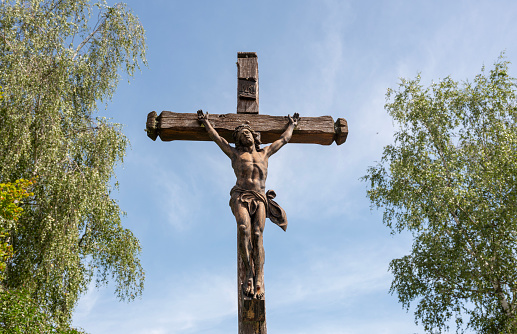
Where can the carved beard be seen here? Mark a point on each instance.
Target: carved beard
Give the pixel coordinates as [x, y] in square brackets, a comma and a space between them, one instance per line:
[246, 141]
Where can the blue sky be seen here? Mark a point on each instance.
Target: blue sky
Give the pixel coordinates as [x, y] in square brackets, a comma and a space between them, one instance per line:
[329, 272]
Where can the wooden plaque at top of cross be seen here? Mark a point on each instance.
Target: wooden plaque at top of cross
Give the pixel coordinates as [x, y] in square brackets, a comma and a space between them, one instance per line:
[250, 203]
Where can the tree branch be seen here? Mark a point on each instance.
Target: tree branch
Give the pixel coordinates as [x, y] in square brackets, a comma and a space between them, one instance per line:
[96, 29]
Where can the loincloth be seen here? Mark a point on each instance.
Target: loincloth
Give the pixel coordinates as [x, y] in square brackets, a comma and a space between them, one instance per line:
[252, 198]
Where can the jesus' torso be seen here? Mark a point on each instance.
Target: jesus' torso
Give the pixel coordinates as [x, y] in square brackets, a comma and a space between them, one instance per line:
[250, 169]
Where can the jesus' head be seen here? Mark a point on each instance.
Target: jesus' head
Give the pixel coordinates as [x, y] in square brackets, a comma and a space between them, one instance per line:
[245, 136]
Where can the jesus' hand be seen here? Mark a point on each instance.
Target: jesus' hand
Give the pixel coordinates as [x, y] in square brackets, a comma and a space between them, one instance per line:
[294, 120]
[202, 117]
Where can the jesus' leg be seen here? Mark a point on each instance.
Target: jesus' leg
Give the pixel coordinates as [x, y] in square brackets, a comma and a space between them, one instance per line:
[259, 220]
[245, 246]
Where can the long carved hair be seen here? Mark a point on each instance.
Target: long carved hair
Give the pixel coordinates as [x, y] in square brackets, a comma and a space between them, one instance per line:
[256, 136]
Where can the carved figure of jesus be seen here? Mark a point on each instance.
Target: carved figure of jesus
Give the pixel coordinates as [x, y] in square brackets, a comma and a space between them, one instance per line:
[249, 202]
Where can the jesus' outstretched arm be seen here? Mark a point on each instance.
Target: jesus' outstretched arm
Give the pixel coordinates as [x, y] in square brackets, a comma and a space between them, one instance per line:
[220, 141]
[286, 136]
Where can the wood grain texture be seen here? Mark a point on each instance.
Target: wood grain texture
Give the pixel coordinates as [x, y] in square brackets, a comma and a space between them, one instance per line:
[151, 125]
[341, 128]
[247, 83]
[251, 312]
[185, 126]
[247, 68]
[247, 106]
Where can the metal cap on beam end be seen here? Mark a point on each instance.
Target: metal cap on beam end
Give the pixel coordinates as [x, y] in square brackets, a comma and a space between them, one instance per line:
[341, 131]
[152, 125]
[246, 55]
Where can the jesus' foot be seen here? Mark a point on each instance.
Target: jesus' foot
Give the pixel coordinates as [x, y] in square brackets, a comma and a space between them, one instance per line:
[259, 290]
[247, 288]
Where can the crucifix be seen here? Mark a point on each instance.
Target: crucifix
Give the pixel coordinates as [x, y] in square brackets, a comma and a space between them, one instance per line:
[249, 201]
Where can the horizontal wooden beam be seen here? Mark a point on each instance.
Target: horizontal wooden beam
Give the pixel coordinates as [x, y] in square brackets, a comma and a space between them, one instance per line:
[185, 126]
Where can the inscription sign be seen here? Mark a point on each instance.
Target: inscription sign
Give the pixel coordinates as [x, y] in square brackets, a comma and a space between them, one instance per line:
[247, 89]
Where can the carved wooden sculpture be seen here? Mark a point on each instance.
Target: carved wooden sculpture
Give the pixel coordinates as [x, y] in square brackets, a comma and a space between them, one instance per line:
[249, 201]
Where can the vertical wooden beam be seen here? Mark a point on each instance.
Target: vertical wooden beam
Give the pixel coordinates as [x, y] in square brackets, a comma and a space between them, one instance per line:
[247, 83]
[252, 312]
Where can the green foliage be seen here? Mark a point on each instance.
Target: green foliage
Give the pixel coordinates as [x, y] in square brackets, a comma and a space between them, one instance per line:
[450, 179]
[19, 313]
[56, 66]
[10, 196]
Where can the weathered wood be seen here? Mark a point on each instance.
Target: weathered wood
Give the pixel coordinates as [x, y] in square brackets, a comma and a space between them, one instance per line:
[247, 89]
[254, 310]
[341, 127]
[185, 126]
[151, 125]
[247, 65]
[249, 106]
[247, 83]
[251, 312]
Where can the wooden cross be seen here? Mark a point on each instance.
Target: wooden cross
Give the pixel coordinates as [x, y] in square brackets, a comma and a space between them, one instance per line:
[186, 126]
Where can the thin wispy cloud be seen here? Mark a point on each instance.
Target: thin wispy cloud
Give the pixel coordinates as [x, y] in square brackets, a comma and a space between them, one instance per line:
[87, 304]
[176, 200]
[188, 305]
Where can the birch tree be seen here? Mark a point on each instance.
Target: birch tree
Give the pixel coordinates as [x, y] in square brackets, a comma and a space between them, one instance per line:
[60, 61]
[450, 179]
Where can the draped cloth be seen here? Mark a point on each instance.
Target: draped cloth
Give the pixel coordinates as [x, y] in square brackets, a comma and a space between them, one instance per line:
[251, 199]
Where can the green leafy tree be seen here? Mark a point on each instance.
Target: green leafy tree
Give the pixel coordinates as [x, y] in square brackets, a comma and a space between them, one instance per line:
[10, 211]
[19, 313]
[450, 179]
[57, 66]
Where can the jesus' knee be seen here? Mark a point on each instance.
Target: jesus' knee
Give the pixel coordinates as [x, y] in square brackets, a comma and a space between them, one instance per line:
[244, 229]
[257, 233]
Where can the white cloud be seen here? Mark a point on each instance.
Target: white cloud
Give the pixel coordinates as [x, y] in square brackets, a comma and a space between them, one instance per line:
[87, 303]
[183, 304]
[344, 273]
[177, 199]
